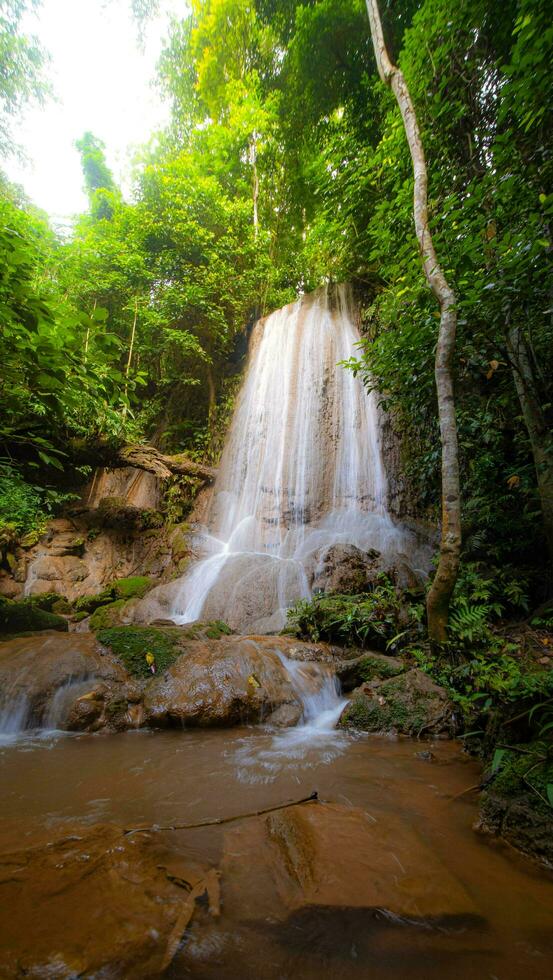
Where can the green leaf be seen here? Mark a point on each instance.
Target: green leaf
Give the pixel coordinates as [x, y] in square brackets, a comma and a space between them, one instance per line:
[497, 759]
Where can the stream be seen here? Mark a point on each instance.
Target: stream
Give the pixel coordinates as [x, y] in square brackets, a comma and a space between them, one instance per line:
[51, 780]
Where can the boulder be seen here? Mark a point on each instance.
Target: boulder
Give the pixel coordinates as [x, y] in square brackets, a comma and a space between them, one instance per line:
[26, 617]
[231, 681]
[409, 704]
[345, 568]
[369, 666]
[34, 670]
[96, 902]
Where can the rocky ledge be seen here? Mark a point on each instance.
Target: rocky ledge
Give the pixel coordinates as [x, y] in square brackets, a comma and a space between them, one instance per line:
[158, 676]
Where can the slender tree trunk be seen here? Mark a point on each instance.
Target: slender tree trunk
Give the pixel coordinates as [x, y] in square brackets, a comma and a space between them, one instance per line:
[131, 348]
[444, 581]
[536, 424]
[255, 185]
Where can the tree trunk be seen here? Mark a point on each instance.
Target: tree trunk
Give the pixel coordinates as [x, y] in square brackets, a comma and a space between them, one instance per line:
[153, 461]
[131, 348]
[444, 581]
[536, 424]
[255, 186]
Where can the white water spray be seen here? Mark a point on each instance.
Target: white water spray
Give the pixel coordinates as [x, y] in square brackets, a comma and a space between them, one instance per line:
[301, 471]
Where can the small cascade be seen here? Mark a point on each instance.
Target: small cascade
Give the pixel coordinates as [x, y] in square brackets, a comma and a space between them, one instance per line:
[318, 689]
[301, 472]
[14, 717]
[62, 701]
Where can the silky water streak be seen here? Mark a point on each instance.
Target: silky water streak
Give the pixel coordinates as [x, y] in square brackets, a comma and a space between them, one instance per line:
[301, 471]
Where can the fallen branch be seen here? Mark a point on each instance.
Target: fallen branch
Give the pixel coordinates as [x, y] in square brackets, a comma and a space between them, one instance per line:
[220, 820]
[153, 461]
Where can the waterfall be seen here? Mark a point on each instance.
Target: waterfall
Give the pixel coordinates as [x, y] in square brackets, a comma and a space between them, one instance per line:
[302, 470]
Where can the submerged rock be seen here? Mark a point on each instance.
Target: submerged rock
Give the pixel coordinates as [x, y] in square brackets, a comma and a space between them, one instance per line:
[325, 855]
[409, 704]
[97, 903]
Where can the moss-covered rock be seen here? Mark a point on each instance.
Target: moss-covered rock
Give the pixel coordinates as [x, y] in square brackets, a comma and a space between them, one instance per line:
[106, 616]
[131, 644]
[131, 588]
[408, 704]
[134, 587]
[369, 667]
[518, 803]
[46, 601]
[26, 617]
[62, 606]
[166, 643]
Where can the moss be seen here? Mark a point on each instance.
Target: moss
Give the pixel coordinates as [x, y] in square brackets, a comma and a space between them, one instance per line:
[61, 606]
[131, 588]
[78, 617]
[374, 667]
[122, 588]
[105, 616]
[216, 629]
[131, 644]
[166, 643]
[45, 601]
[25, 616]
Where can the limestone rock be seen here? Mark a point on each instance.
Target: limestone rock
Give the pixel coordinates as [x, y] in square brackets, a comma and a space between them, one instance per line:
[325, 855]
[409, 704]
[345, 568]
[96, 902]
[34, 669]
[234, 680]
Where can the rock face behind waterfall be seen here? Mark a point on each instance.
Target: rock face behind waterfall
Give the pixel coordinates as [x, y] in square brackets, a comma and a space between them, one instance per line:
[301, 483]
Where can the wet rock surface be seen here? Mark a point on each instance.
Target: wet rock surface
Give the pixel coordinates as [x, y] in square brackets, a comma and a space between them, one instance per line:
[377, 868]
[231, 681]
[34, 669]
[345, 568]
[409, 704]
[94, 903]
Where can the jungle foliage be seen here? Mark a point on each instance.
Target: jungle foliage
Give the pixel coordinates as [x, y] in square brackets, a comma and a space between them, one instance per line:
[285, 166]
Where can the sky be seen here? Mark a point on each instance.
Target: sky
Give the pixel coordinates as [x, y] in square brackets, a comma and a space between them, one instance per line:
[102, 83]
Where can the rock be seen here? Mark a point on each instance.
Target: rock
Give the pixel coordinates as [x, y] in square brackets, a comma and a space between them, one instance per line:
[166, 643]
[235, 680]
[25, 616]
[409, 704]
[515, 803]
[368, 667]
[520, 822]
[345, 568]
[98, 903]
[325, 855]
[287, 716]
[35, 669]
[112, 614]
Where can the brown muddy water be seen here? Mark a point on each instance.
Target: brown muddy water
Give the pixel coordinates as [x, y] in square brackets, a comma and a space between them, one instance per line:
[499, 921]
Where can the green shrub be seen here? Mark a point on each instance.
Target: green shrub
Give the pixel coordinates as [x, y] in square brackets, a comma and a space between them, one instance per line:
[367, 619]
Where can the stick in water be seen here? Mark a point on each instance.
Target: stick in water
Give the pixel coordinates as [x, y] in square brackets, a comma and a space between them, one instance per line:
[219, 820]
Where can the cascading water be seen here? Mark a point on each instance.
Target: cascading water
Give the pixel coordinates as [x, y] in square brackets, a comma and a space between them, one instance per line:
[301, 471]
